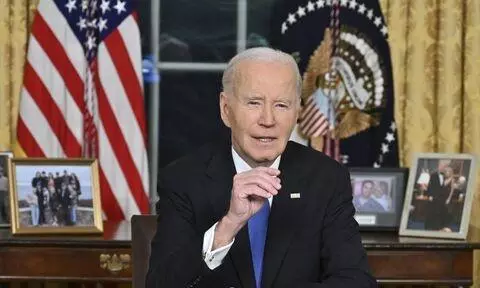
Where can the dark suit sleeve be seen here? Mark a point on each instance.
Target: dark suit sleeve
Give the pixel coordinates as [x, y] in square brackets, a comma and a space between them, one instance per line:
[176, 249]
[344, 260]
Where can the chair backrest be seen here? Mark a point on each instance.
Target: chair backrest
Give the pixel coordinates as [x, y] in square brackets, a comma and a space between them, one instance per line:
[143, 230]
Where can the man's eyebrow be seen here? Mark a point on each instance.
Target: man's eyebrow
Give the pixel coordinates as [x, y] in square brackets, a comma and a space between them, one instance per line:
[253, 97]
[283, 99]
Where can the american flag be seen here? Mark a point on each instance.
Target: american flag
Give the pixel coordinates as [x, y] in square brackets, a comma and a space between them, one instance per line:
[82, 96]
[313, 122]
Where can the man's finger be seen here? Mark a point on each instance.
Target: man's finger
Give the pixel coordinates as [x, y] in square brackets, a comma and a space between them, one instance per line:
[274, 181]
[270, 185]
[255, 191]
[268, 170]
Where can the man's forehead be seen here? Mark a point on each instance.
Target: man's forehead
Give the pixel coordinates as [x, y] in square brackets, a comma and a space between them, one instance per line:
[252, 68]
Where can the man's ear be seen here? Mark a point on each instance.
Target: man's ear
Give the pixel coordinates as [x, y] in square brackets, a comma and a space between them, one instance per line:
[224, 109]
[298, 108]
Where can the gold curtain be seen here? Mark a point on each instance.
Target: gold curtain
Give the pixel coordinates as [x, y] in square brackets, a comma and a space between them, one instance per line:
[15, 19]
[435, 47]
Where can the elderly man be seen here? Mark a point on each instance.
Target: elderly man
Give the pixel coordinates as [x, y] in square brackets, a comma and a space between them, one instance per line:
[439, 187]
[258, 211]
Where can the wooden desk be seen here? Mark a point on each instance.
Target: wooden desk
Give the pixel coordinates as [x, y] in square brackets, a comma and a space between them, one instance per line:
[393, 259]
[73, 259]
[407, 260]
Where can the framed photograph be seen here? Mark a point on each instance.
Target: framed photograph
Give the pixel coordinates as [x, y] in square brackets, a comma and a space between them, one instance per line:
[4, 187]
[378, 195]
[439, 195]
[55, 196]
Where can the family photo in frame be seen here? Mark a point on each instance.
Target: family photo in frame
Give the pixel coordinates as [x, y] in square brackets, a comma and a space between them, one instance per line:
[4, 188]
[439, 196]
[55, 196]
[378, 195]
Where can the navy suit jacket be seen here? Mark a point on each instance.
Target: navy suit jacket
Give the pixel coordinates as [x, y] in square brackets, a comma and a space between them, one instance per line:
[312, 241]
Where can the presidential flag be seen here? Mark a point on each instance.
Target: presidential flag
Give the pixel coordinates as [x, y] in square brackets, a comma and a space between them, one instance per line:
[343, 53]
[82, 96]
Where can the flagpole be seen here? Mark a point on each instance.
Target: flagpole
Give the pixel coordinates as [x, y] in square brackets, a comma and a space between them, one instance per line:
[154, 107]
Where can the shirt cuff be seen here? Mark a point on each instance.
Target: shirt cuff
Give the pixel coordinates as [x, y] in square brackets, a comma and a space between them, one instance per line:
[213, 259]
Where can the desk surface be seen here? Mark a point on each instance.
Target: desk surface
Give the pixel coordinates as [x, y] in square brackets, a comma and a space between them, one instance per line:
[102, 258]
[118, 234]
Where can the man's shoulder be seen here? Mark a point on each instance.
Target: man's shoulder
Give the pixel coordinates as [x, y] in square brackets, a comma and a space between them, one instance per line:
[305, 154]
[196, 160]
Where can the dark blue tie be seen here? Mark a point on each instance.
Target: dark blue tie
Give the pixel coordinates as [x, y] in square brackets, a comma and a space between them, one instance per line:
[257, 230]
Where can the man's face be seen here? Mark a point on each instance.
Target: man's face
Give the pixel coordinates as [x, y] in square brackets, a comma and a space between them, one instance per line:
[261, 111]
[378, 191]
[448, 172]
[367, 189]
[442, 164]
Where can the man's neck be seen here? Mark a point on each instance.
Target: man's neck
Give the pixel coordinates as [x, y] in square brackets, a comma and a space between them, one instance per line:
[242, 165]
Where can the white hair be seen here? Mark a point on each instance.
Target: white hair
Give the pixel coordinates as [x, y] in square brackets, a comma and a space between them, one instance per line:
[264, 54]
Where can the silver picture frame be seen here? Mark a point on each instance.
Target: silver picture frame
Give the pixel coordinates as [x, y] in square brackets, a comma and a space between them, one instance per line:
[439, 195]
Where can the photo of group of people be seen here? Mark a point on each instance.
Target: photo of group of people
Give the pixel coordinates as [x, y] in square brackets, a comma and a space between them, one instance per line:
[54, 196]
[4, 200]
[438, 199]
[372, 194]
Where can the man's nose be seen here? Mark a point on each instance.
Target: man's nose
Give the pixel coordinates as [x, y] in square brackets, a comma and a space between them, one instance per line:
[267, 118]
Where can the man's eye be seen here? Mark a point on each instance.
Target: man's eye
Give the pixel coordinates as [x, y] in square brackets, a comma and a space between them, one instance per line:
[253, 103]
[282, 105]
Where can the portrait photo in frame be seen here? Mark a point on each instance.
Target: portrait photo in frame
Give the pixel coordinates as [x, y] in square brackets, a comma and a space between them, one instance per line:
[439, 195]
[378, 195]
[4, 188]
[55, 196]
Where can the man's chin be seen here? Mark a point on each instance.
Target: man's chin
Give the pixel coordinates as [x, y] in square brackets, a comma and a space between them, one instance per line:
[266, 159]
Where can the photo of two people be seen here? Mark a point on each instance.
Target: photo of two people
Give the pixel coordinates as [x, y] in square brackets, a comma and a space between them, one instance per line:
[439, 191]
[372, 194]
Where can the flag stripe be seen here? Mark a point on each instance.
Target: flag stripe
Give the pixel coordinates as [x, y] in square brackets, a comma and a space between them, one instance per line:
[120, 148]
[128, 30]
[39, 127]
[317, 125]
[39, 93]
[41, 31]
[118, 101]
[55, 85]
[29, 144]
[308, 105]
[308, 114]
[63, 34]
[317, 116]
[124, 68]
[109, 203]
[321, 129]
[116, 180]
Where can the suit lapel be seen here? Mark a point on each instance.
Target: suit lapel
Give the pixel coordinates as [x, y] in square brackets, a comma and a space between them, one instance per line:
[242, 258]
[220, 172]
[284, 217]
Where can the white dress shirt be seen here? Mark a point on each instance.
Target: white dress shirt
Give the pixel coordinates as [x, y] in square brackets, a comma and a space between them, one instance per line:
[213, 259]
[440, 178]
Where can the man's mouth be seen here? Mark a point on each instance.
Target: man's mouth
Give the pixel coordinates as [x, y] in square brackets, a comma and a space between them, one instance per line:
[265, 139]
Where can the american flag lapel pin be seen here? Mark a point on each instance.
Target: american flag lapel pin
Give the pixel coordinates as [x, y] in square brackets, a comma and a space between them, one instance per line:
[294, 195]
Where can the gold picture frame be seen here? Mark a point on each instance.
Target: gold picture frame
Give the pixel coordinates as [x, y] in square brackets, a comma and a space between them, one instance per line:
[54, 196]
